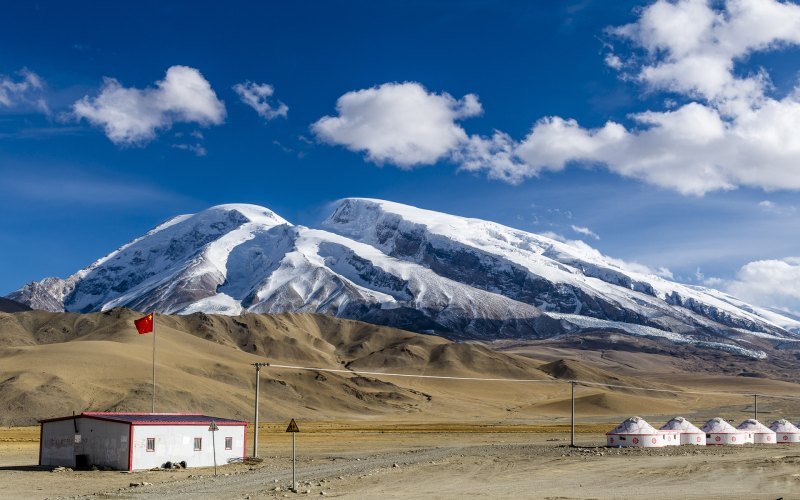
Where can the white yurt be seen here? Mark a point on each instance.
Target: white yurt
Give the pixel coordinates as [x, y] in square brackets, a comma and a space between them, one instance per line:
[785, 431]
[689, 434]
[635, 431]
[758, 433]
[718, 431]
[671, 438]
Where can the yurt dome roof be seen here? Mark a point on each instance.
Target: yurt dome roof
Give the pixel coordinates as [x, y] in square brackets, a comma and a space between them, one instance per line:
[755, 426]
[681, 424]
[634, 425]
[718, 425]
[783, 425]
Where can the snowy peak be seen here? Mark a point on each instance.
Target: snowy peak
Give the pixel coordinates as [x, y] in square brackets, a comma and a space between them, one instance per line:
[171, 265]
[253, 213]
[552, 275]
[397, 265]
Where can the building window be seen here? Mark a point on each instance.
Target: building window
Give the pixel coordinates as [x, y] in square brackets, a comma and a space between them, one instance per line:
[151, 444]
[228, 443]
[198, 444]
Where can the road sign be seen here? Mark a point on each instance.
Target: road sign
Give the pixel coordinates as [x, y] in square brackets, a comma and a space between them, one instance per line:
[294, 430]
[213, 427]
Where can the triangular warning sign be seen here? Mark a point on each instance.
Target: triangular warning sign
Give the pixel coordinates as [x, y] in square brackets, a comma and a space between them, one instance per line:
[292, 427]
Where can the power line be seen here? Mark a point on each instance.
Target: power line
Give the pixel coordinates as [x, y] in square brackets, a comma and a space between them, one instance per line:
[412, 375]
[515, 380]
[683, 391]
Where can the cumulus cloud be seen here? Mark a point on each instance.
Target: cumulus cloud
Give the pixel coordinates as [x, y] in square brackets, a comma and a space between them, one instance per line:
[585, 231]
[131, 116]
[732, 133]
[729, 130]
[770, 283]
[693, 46]
[25, 90]
[256, 95]
[398, 123]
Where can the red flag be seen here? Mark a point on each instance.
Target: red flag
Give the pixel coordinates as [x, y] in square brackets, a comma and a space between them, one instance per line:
[144, 325]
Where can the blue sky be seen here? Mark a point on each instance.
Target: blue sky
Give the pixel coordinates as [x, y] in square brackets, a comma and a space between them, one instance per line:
[679, 157]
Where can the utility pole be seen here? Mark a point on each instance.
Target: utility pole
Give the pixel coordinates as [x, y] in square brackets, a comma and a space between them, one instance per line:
[572, 429]
[255, 418]
[755, 406]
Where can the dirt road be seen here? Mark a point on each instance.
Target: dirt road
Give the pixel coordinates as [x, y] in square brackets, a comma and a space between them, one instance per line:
[437, 465]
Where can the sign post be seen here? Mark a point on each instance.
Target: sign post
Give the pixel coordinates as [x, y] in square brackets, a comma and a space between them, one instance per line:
[213, 428]
[294, 430]
[572, 419]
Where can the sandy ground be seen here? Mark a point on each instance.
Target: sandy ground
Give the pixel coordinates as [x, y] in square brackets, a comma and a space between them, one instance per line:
[460, 462]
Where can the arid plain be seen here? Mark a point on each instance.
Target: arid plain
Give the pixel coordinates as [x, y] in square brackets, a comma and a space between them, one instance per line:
[373, 436]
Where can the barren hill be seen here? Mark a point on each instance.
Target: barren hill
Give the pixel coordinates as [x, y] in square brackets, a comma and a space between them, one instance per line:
[55, 363]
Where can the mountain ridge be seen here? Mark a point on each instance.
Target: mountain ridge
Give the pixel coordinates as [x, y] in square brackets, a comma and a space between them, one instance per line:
[397, 265]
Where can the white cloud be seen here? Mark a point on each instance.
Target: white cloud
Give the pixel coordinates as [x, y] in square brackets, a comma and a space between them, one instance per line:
[497, 155]
[585, 231]
[770, 283]
[196, 148]
[729, 132]
[398, 123]
[664, 272]
[613, 61]
[256, 95]
[23, 91]
[777, 209]
[693, 47]
[732, 135]
[132, 116]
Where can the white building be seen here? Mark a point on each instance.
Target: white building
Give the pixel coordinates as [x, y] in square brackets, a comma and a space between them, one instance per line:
[758, 432]
[635, 431]
[785, 431]
[718, 431]
[133, 441]
[689, 434]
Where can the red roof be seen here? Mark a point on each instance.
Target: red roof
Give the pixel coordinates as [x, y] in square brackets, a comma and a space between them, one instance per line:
[152, 418]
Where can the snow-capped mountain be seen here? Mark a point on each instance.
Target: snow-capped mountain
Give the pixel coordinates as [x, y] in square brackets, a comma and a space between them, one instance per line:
[393, 264]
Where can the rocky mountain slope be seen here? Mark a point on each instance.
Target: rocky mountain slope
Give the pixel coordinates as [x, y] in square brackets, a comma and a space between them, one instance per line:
[397, 265]
[10, 306]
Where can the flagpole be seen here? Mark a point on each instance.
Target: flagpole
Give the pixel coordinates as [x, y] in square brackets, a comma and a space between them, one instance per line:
[154, 362]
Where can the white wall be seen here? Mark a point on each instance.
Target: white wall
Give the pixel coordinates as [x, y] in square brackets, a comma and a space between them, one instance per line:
[105, 443]
[696, 439]
[175, 443]
[57, 446]
[636, 440]
[733, 438]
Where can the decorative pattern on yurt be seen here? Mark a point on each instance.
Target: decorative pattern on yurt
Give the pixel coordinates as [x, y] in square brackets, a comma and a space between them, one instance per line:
[718, 431]
[785, 431]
